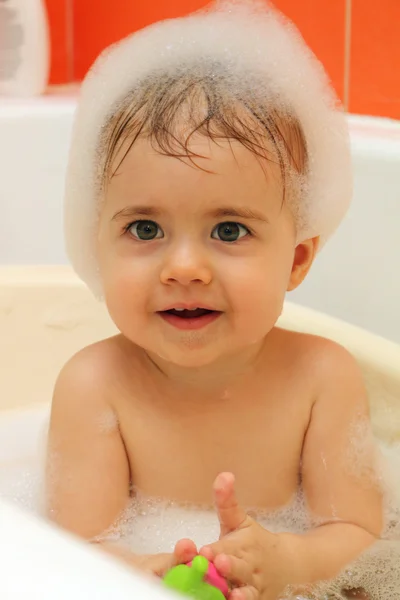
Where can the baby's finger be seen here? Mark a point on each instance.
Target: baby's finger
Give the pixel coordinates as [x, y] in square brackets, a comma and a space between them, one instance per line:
[247, 592]
[231, 515]
[157, 564]
[207, 552]
[185, 550]
[236, 570]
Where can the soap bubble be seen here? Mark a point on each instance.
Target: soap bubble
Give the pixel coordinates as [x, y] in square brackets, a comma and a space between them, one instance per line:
[239, 55]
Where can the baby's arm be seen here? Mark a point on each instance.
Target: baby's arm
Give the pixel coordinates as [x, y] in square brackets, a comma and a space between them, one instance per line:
[88, 475]
[87, 467]
[341, 488]
[339, 470]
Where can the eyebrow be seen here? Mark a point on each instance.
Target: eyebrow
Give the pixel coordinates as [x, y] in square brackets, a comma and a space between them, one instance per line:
[150, 211]
[242, 212]
[135, 211]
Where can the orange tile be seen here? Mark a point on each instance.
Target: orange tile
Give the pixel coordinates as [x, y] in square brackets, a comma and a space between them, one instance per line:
[112, 20]
[167, 9]
[320, 22]
[375, 58]
[322, 25]
[96, 27]
[56, 11]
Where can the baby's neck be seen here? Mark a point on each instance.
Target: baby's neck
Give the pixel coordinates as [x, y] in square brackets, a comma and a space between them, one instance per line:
[219, 375]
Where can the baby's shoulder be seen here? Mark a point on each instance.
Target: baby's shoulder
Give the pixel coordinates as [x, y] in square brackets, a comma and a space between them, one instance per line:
[314, 356]
[96, 370]
[95, 361]
[328, 371]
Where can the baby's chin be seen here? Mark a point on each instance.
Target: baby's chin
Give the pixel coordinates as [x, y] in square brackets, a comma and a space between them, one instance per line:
[196, 354]
[187, 356]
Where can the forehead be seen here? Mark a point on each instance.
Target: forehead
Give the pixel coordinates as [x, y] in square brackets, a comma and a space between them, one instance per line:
[215, 169]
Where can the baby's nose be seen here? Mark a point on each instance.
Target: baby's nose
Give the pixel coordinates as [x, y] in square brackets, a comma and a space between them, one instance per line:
[186, 265]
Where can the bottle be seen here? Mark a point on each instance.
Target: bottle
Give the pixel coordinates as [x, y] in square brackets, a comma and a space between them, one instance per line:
[24, 47]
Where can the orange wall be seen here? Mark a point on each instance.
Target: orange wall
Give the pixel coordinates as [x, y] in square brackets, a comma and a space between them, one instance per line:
[367, 79]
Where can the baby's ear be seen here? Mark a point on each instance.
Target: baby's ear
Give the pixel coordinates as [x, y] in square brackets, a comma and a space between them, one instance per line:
[303, 259]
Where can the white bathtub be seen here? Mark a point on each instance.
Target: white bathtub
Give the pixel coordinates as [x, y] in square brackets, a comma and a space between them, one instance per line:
[41, 563]
[355, 277]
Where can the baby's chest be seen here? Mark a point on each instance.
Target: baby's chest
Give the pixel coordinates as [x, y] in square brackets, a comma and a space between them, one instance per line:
[180, 455]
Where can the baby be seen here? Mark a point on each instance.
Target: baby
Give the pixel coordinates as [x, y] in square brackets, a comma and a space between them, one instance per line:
[209, 164]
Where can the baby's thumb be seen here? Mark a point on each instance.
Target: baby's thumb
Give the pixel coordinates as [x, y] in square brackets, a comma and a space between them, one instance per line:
[231, 515]
[185, 550]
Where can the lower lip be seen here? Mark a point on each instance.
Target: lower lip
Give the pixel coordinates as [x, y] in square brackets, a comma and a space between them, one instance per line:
[185, 324]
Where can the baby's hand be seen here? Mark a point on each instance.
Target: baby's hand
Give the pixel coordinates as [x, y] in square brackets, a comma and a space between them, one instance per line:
[247, 555]
[159, 564]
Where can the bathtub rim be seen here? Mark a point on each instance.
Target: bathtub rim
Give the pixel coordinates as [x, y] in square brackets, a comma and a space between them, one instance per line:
[370, 348]
[44, 276]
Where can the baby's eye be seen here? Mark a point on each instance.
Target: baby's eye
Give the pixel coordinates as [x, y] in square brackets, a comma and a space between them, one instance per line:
[145, 230]
[229, 232]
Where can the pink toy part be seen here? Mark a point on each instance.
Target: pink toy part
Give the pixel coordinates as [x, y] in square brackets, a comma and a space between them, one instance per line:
[215, 579]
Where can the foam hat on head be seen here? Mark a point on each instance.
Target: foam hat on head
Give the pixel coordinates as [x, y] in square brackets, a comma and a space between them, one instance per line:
[247, 36]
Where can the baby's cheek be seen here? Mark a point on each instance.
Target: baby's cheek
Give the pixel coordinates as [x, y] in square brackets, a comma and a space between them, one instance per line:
[257, 313]
[124, 299]
[262, 293]
[122, 279]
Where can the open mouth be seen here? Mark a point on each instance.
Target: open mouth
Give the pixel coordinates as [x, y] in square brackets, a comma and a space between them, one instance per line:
[183, 318]
[184, 313]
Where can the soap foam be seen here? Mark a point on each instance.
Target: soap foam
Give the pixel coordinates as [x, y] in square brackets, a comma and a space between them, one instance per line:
[153, 525]
[264, 58]
[150, 525]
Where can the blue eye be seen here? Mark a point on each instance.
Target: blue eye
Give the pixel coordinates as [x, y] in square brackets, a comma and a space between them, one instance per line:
[145, 230]
[229, 232]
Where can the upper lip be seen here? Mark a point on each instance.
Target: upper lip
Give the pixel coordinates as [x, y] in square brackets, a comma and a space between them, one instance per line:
[188, 306]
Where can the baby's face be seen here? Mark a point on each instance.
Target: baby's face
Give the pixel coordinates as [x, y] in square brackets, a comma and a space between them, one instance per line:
[173, 236]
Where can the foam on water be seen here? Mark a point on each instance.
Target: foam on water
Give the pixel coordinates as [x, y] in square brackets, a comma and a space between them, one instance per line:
[155, 524]
[22, 483]
[151, 525]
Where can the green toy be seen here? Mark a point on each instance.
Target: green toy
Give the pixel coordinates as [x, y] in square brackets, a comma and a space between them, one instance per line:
[191, 580]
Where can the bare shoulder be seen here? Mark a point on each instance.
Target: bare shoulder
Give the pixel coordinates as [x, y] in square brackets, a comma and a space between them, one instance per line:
[313, 351]
[95, 373]
[328, 366]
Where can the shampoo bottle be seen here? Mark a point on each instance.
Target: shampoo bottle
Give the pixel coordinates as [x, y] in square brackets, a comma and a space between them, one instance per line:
[24, 47]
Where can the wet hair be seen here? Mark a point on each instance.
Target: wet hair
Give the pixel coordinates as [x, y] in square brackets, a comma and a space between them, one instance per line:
[236, 71]
[168, 109]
